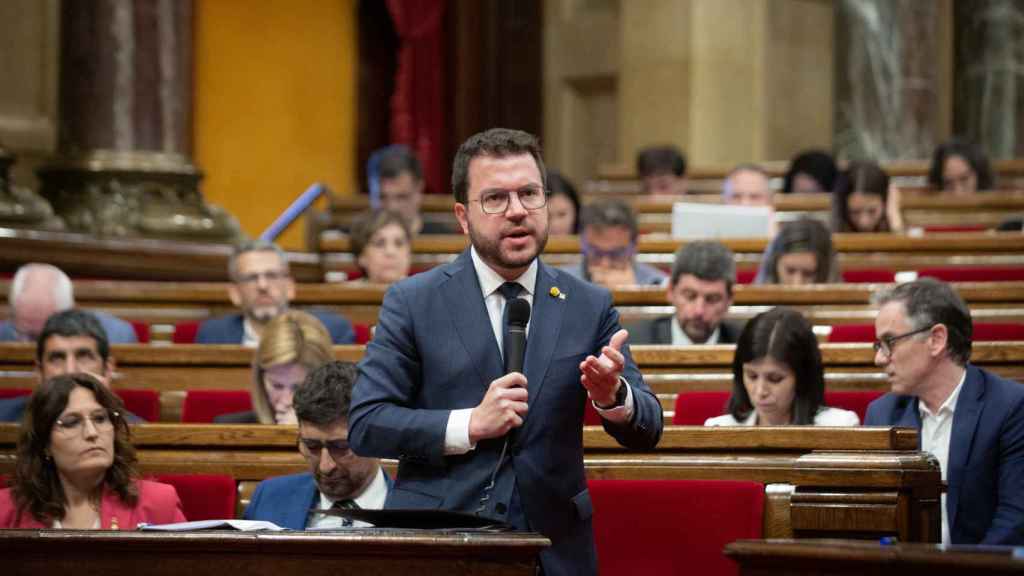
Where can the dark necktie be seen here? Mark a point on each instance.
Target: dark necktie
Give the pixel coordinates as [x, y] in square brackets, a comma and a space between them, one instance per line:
[347, 504]
[510, 290]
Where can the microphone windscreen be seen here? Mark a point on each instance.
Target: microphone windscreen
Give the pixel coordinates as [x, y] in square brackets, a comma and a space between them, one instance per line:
[518, 312]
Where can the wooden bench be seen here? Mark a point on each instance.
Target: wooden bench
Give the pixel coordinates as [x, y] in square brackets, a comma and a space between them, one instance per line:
[161, 305]
[668, 370]
[868, 482]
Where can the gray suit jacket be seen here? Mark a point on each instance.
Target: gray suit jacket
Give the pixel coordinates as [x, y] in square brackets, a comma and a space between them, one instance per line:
[434, 351]
[118, 331]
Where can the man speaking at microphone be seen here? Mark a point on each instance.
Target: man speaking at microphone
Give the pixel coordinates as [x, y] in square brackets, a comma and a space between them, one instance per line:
[432, 390]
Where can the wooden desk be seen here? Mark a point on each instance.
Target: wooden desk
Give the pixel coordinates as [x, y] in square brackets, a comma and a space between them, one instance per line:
[839, 557]
[826, 482]
[368, 551]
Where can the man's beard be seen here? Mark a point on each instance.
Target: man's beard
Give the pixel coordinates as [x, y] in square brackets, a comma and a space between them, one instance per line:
[337, 486]
[698, 333]
[266, 313]
[490, 250]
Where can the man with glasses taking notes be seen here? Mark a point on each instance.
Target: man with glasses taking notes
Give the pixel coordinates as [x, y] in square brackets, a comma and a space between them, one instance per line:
[262, 287]
[972, 421]
[337, 478]
[608, 244]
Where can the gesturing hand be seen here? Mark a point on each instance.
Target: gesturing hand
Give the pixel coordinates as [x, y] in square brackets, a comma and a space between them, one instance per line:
[502, 408]
[600, 376]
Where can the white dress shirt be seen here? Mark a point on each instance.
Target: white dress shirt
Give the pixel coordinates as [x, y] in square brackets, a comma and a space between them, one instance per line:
[250, 339]
[936, 431]
[370, 499]
[679, 338]
[456, 438]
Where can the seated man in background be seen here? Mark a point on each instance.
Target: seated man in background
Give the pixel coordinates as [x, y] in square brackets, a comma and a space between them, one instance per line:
[337, 478]
[40, 290]
[972, 421]
[400, 188]
[71, 341]
[608, 243]
[700, 288]
[662, 170]
[747, 185]
[263, 288]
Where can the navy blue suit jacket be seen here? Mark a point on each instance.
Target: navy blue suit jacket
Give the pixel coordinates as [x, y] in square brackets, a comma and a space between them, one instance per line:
[286, 500]
[434, 351]
[230, 329]
[985, 498]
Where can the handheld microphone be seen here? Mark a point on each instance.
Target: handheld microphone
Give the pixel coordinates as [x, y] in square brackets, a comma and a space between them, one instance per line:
[515, 354]
[515, 345]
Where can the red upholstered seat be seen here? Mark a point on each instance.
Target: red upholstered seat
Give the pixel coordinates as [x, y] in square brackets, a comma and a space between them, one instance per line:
[185, 332]
[203, 496]
[745, 276]
[855, 400]
[363, 333]
[14, 392]
[983, 332]
[143, 403]
[975, 273]
[141, 331]
[867, 275]
[693, 408]
[202, 405]
[672, 526]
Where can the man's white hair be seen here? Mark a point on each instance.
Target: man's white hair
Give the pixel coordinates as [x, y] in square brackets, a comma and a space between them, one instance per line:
[63, 293]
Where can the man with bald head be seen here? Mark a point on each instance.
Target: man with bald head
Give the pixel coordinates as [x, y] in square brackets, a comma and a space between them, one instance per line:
[747, 185]
[40, 290]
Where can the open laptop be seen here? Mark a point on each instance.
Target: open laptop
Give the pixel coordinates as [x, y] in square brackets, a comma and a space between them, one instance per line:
[698, 220]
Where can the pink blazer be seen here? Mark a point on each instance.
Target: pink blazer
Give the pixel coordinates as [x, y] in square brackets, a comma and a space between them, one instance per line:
[158, 504]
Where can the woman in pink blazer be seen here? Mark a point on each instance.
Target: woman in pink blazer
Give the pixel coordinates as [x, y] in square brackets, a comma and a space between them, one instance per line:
[75, 467]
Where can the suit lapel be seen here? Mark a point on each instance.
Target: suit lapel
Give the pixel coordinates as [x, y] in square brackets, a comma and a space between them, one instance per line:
[545, 325]
[663, 330]
[306, 498]
[965, 421]
[462, 295]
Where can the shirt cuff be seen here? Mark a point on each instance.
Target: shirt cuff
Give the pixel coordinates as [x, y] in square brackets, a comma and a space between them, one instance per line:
[617, 415]
[456, 434]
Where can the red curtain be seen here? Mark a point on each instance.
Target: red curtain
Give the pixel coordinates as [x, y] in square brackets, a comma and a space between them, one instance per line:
[417, 106]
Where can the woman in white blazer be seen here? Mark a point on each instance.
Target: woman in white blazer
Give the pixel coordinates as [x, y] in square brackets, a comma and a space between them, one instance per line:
[778, 377]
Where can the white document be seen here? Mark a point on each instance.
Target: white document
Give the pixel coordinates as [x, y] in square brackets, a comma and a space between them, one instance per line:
[229, 524]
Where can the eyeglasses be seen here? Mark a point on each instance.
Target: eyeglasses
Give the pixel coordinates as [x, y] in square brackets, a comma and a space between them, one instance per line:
[254, 278]
[596, 254]
[496, 201]
[886, 343]
[338, 449]
[75, 424]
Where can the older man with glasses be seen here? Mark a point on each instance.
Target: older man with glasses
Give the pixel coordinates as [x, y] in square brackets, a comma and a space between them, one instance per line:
[608, 245]
[262, 287]
[972, 421]
[337, 477]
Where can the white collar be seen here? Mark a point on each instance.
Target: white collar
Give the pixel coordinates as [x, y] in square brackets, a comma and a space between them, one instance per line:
[491, 280]
[949, 404]
[680, 338]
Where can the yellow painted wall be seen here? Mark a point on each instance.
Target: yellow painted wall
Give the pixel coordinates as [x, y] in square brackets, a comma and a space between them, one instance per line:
[275, 104]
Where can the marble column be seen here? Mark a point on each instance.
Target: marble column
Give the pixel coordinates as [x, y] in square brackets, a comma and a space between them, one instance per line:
[890, 75]
[123, 166]
[989, 78]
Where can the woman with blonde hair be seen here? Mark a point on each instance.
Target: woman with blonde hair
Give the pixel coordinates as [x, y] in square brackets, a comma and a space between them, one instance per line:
[292, 345]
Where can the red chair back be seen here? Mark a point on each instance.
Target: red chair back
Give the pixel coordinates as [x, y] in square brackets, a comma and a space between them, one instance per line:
[143, 403]
[983, 332]
[202, 405]
[185, 332]
[141, 331]
[975, 273]
[693, 408]
[852, 333]
[672, 526]
[203, 496]
[363, 333]
[14, 392]
[745, 276]
[854, 400]
[868, 275]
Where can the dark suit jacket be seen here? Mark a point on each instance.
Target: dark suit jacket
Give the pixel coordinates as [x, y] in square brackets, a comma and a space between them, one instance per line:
[230, 329]
[286, 500]
[244, 417]
[12, 410]
[985, 498]
[434, 351]
[659, 331]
